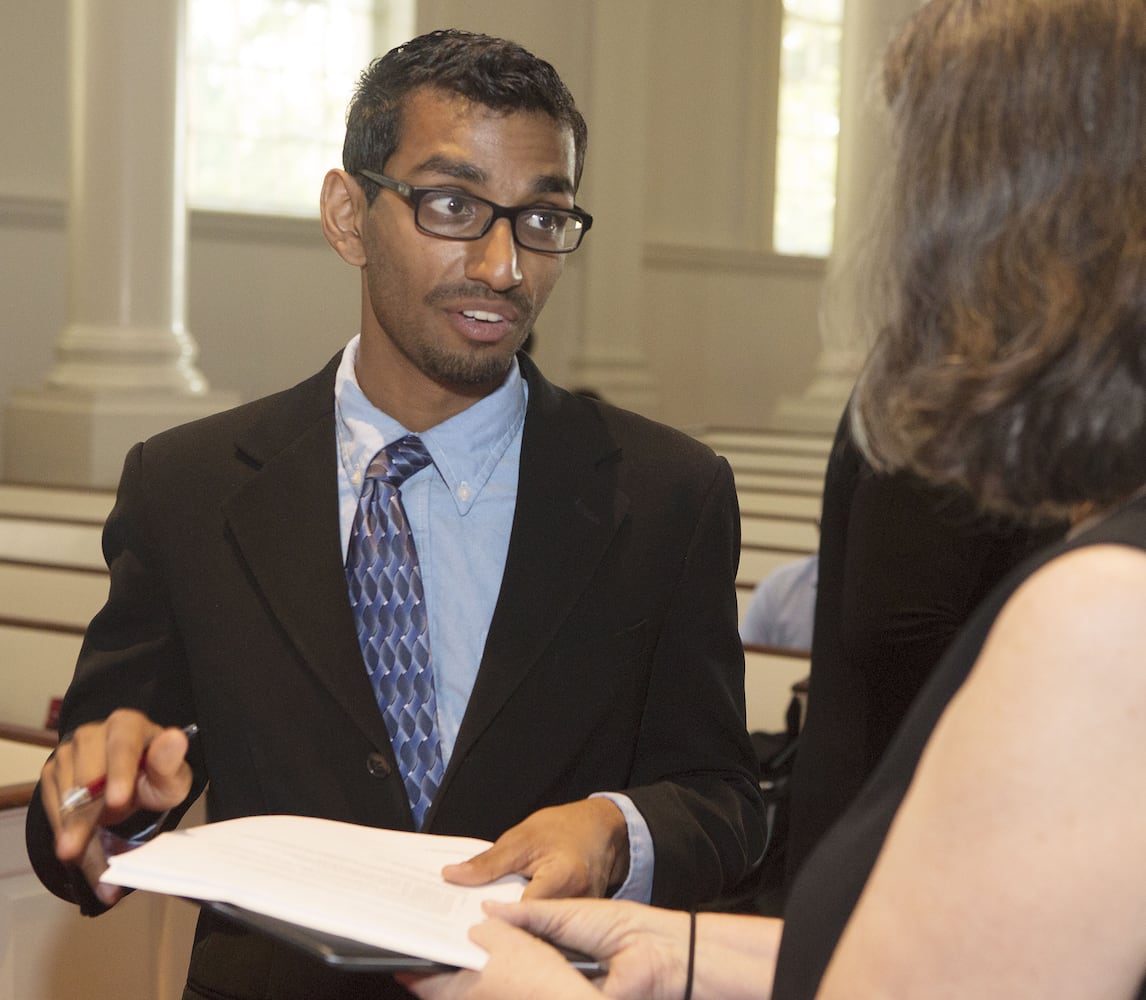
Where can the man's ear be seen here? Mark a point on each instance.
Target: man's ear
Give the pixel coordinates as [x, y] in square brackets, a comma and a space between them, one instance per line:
[343, 210]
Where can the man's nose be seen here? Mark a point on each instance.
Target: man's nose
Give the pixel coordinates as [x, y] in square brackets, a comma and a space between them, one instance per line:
[493, 260]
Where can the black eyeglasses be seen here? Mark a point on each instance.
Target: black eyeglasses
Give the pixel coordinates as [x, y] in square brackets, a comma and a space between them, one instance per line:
[459, 216]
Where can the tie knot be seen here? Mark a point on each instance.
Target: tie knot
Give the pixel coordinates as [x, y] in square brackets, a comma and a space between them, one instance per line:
[399, 460]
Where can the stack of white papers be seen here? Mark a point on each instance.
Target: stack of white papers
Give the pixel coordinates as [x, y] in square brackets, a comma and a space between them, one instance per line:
[379, 887]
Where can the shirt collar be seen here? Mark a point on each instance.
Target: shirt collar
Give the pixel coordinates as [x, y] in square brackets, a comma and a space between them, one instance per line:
[465, 449]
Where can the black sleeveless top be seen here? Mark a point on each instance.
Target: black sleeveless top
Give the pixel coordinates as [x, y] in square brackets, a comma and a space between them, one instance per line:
[830, 883]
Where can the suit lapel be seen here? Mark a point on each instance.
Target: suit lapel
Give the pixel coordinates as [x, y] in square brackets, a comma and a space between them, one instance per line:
[284, 520]
[568, 510]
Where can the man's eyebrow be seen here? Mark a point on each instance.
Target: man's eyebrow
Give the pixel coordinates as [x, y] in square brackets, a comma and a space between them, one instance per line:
[463, 170]
[459, 169]
[553, 184]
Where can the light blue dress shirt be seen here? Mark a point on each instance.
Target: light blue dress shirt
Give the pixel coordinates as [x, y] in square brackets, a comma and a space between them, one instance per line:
[783, 606]
[460, 510]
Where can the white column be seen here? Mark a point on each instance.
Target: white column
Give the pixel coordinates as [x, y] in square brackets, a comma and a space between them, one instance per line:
[125, 363]
[869, 26]
[611, 357]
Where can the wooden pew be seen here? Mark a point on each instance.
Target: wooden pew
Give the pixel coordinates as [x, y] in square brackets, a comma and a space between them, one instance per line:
[46, 542]
[81, 506]
[785, 463]
[757, 563]
[773, 503]
[23, 750]
[36, 665]
[778, 482]
[50, 596]
[51, 952]
[770, 674]
[747, 439]
[779, 533]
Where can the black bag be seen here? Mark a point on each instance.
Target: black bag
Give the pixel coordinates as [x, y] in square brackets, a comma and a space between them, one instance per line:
[776, 754]
[763, 892]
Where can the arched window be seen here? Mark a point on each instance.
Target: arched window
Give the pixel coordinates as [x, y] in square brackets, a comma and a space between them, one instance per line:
[268, 84]
[809, 125]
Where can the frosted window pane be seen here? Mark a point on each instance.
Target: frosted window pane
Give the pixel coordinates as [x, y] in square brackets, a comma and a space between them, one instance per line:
[268, 84]
[809, 126]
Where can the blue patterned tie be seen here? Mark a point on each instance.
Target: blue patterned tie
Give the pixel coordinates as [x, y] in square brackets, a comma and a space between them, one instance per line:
[390, 611]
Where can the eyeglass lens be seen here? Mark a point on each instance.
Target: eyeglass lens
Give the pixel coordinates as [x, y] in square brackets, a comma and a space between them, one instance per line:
[456, 216]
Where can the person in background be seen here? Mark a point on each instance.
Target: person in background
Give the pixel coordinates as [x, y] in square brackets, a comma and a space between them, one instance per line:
[783, 606]
[996, 851]
[426, 589]
[903, 564]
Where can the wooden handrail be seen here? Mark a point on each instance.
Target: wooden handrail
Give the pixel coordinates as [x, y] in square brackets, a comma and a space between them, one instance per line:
[19, 795]
[35, 735]
[16, 796]
[795, 654]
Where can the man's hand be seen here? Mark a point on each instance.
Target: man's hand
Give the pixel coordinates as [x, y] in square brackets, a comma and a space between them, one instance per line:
[146, 769]
[579, 849]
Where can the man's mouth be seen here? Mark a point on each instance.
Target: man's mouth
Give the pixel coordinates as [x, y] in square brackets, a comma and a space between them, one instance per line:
[483, 317]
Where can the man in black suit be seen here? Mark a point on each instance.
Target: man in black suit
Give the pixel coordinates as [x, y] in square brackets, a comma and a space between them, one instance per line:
[578, 561]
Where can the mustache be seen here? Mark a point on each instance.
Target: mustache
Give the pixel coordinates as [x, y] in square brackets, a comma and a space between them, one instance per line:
[466, 290]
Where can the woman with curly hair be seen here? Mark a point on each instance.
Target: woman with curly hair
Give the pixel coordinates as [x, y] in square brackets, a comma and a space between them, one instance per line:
[997, 850]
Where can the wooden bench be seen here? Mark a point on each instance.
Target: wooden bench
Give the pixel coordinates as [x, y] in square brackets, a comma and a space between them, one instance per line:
[50, 596]
[43, 542]
[757, 563]
[780, 462]
[777, 482]
[779, 533]
[745, 439]
[52, 573]
[23, 750]
[770, 676]
[50, 951]
[772, 503]
[59, 503]
[36, 665]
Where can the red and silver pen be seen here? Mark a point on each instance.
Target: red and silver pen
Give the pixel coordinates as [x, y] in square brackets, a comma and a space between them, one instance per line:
[81, 795]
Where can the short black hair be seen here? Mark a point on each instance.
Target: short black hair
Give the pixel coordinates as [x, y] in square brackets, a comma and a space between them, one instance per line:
[493, 72]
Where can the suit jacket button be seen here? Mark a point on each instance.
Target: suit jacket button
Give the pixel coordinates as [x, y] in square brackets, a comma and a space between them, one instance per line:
[378, 765]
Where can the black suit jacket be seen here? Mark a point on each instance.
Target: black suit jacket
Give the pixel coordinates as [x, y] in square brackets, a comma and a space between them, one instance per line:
[612, 660]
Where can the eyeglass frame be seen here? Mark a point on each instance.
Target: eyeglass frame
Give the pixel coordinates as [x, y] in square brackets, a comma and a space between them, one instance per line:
[414, 195]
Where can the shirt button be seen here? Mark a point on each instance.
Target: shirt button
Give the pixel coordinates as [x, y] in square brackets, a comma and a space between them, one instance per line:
[378, 765]
[463, 491]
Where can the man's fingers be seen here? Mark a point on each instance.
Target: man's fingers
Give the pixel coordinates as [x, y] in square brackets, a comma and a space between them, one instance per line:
[165, 778]
[555, 880]
[59, 776]
[93, 863]
[127, 763]
[568, 850]
[482, 868]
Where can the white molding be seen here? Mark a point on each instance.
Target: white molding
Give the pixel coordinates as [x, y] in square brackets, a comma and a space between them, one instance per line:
[24, 211]
[698, 258]
[38, 212]
[250, 227]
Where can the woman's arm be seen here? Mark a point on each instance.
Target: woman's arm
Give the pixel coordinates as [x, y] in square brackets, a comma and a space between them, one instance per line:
[645, 948]
[1013, 867]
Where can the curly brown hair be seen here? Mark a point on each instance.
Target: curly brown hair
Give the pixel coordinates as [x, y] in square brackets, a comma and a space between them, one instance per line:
[1010, 346]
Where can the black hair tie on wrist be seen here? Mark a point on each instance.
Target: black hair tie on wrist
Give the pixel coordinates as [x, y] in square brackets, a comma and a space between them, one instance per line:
[691, 954]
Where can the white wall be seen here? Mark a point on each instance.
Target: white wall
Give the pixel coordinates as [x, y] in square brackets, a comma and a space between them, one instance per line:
[725, 328]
